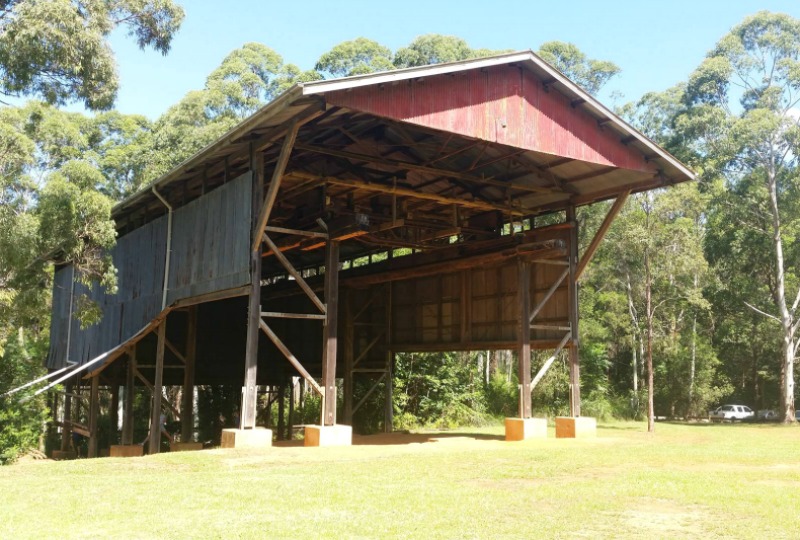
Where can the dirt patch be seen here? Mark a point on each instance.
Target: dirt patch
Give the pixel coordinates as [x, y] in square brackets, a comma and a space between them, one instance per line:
[666, 519]
[653, 518]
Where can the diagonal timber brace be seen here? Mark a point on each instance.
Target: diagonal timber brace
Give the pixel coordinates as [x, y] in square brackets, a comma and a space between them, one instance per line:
[275, 184]
[290, 357]
[619, 202]
[295, 274]
[370, 391]
[549, 362]
[549, 294]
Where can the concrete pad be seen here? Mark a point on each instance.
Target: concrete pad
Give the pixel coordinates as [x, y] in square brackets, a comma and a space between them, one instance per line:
[66, 454]
[581, 427]
[338, 435]
[185, 446]
[246, 438]
[520, 429]
[126, 450]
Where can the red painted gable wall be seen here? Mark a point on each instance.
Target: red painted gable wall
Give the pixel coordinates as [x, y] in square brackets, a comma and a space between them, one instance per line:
[503, 104]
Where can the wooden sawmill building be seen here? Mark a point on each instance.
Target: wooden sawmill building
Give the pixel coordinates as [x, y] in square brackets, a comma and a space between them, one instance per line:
[351, 219]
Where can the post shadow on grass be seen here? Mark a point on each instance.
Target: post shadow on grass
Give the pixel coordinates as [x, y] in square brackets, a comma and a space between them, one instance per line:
[401, 437]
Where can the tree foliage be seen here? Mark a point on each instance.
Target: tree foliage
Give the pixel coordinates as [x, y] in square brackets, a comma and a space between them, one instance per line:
[741, 107]
[591, 74]
[58, 49]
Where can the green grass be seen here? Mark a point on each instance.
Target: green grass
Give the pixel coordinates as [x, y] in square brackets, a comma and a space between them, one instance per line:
[687, 481]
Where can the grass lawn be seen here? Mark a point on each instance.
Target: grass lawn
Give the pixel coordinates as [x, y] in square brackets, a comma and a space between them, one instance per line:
[687, 481]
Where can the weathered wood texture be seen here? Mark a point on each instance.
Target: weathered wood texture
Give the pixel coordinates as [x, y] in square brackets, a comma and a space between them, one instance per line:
[210, 248]
[500, 104]
[210, 242]
[139, 259]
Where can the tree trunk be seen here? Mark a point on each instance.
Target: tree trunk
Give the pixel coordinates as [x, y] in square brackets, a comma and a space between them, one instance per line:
[693, 365]
[786, 319]
[651, 419]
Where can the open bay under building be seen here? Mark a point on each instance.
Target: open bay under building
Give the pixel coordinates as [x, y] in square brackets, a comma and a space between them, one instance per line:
[351, 219]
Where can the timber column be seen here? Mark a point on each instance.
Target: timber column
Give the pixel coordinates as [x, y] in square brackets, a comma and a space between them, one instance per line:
[249, 394]
[187, 394]
[155, 411]
[524, 427]
[127, 411]
[574, 364]
[329, 332]
[329, 433]
[94, 411]
[66, 428]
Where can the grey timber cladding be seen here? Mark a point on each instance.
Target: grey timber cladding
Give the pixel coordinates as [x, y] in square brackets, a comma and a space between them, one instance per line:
[210, 252]
[59, 329]
[211, 242]
[139, 259]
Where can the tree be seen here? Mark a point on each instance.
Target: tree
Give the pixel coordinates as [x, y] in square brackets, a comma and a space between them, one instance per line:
[571, 61]
[742, 108]
[355, 57]
[58, 49]
[246, 79]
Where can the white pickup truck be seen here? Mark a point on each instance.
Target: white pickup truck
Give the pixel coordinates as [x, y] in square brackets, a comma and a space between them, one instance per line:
[730, 413]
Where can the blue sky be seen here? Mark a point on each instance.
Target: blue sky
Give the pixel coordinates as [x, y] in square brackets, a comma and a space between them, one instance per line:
[657, 44]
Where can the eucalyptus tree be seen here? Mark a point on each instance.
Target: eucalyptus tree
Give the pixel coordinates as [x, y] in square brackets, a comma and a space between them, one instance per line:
[742, 109]
[58, 50]
[355, 57]
[589, 73]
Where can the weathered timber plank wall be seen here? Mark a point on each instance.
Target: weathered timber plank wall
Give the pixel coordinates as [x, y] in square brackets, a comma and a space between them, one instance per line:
[473, 308]
[139, 259]
[59, 329]
[210, 242]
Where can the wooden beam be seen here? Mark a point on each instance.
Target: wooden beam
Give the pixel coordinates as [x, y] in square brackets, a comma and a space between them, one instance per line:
[290, 357]
[330, 332]
[413, 194]
[113, 411]
[574, 361]
[546, 366]
[66, 435]
[247, 417]
[179, 355]
[556, 284]
[524, 348]
[478, 180]
[187, 392]
[281, 315]
[94, 412]
[370, 391]
[213, 297]
[601, 233]
[348, 353]
[462, 263]
[165, 404]
[294, 273]
[127, 412]
[274, 185]
[296, 232]
[591, 174]
[368, 348]
[155, 413]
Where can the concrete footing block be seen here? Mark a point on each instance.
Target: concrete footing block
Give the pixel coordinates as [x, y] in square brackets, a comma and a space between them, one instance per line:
[185, 446]
[246, 438]
[338, 435]
[570, 427]
[520, 429]
[126, 450]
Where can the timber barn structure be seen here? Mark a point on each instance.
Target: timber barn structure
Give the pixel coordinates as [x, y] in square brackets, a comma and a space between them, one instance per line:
[351, 219]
